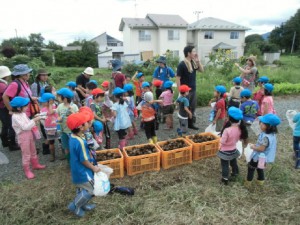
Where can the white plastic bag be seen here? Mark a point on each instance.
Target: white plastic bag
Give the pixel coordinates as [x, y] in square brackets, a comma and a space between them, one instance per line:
[255, 127]
[211, 128]
[96, 145]
[290, 115]
[239, 147]
[248, 152]
[101, 181]
[3, 159]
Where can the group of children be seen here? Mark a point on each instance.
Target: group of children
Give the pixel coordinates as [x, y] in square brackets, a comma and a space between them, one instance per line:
[232, 113]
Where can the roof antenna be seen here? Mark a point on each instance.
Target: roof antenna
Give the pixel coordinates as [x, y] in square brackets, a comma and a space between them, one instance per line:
[197, 13]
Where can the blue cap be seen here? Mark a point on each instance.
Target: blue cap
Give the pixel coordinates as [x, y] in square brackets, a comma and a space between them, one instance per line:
[168, 84]
[71, 84]
[94, 81]
[237, 80]
[145, 84]
[269, 87]
[235, 113]
[221, 89]
[263, 79]
[19, 102]
[139, 75]
[246, 93]
[271, 119]
[65, 92]
[98, 126]
[21, 69]
[128, 87]
[118, 91]
[46, 97]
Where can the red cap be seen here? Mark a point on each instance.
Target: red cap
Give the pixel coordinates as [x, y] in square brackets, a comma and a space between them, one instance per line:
[157, 83]
[97, 91]
[75, 120]
[105, 84]
[184, 88]
[88, 111]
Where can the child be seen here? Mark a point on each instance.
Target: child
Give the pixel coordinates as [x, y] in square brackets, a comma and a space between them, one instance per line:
[158, 92]
[106, 111]
[138, 86]
[64, 109]
[233, 131]
[82, 167]
[131, 110]
[98, 96]
[50, 123]
[264, 149]
[249, 107]
[296, 140]
[267, 105]
[98, 132]
[220, 107]
[184, 112]
[258, 96]
[72, 85]
[168, 106]
[148, 116]
[234, 94]
[88, 96]
[122, 120]
[23, 126]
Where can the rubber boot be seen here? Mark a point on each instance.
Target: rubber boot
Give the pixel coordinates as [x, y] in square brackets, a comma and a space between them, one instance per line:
[191, 124]
[247, 183]
[28, 172]
[36, 165]
[260, 182]
[151, 141]
[46, 150]
[5, 142]
[13, 146]
[77, 206]
[52, 152]
[122, 144]
[154, 139]
[135, 131]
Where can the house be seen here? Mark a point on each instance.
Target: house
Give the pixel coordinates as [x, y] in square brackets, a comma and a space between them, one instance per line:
[109, 48]
[210, 34]
[72, 48]
[153, 35]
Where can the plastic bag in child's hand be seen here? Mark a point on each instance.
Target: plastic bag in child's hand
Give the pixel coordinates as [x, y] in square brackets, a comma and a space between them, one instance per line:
[101, 184]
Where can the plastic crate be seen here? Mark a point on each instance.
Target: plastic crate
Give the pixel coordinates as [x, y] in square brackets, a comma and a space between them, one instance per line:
[141, 163]
[175, 157]
[116, 164]
[204, 149]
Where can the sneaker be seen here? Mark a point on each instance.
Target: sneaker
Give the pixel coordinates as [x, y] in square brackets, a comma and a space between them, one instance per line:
[224, 181]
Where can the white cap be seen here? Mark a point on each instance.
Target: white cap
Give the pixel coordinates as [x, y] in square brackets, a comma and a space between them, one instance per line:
[148, 97]
[89, 71]
[4, 72]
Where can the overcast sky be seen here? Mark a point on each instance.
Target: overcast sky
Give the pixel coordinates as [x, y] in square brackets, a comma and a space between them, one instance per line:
[64, 21]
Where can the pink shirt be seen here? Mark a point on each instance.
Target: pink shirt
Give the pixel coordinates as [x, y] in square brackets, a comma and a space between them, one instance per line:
[50, 121]
[12, 89]
[268, 100]
[230, 137]
[167, 97]
[21, 122]
[2, 89]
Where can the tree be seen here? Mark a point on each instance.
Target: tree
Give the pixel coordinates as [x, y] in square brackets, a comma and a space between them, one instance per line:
[36, 43]
[8, 51]
[52, 45]
[20, 45]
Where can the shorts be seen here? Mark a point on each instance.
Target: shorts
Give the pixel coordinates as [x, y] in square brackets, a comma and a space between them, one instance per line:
[121, 133]
[168, 109]
[88, 186]
[65, 140]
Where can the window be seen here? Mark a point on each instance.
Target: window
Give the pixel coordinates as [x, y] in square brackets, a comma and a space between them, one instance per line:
[209, 35]
[112, 44]
[144, 35]
[234, 35]
[173, 35]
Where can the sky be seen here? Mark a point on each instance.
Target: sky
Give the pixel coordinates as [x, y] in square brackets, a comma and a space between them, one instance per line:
[64, 21]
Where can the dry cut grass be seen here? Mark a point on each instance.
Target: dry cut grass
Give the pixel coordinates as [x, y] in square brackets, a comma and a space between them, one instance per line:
[189, 194]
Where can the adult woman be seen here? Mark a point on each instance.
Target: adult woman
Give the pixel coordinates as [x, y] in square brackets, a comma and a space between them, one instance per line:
[40, 82]
[7, 132]
[19, 87]
[249, 73]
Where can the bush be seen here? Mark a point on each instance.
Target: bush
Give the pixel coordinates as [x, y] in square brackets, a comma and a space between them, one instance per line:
[277, 62]
[286, 88]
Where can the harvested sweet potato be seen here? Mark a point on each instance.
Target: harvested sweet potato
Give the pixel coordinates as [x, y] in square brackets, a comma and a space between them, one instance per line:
[141, 150]
[198, 138]
[107, 156]
[174, 144]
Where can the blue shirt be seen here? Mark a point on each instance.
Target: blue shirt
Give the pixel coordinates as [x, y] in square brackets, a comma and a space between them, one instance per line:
[163, 74]
[79, 153]
[250, 109]
[122, 120]
[183, 102]
[270, 151]
[296, 120]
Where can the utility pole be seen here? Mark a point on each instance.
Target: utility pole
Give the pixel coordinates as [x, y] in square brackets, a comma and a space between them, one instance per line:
[292, 49]
[16, 33]
[197, 13]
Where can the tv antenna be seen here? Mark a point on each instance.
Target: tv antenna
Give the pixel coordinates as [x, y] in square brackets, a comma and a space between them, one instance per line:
[197, 13]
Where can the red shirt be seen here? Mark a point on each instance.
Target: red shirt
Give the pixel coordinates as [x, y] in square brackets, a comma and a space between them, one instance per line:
[119, 79]
[221, 105]
[2, 89]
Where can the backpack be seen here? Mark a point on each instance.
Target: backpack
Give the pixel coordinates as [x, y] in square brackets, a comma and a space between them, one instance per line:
[18, 90]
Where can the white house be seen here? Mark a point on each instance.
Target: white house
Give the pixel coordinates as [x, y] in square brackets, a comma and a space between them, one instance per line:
[109, 48]
[209, 34]
[154, 34]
